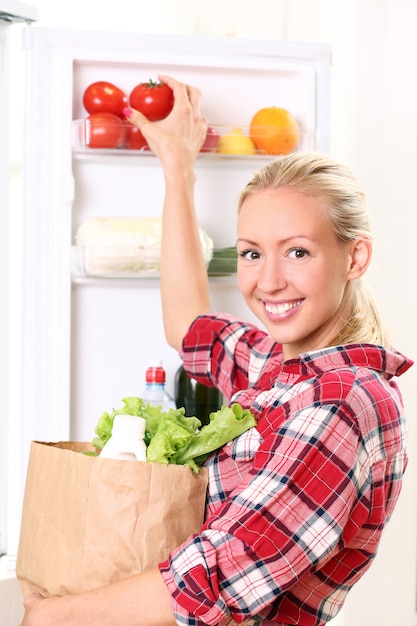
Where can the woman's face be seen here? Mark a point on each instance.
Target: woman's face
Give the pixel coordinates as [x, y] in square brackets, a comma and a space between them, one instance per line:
[292, 269]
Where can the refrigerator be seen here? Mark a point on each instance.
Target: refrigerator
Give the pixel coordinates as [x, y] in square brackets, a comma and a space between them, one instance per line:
[86, 340]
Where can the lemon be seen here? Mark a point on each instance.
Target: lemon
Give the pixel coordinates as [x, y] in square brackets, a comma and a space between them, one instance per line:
[236, 142]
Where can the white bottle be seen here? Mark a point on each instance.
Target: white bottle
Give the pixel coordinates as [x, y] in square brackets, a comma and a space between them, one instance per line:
[126, 442]
[155, 392]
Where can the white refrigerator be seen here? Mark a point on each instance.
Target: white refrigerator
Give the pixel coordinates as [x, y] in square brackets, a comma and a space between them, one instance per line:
[85, 341]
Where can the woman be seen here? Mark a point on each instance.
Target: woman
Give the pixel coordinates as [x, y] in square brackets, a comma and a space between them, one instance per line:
[296, 506]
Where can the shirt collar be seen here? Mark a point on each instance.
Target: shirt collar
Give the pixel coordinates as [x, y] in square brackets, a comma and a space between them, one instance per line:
[384, 360]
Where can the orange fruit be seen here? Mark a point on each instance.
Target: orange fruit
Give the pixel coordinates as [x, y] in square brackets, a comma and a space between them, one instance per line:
[274, 131]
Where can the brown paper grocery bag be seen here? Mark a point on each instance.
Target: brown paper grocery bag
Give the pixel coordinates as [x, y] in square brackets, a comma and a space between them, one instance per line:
[88, 521]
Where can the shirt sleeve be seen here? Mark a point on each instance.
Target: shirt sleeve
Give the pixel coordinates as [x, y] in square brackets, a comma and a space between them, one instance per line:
[220, 350]
[305, 497]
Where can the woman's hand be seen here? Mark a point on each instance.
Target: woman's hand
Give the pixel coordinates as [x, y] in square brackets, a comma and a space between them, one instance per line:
[37, 610]
[176, 139]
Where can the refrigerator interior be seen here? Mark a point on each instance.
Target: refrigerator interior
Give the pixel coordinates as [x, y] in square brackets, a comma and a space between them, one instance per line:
[87, 340]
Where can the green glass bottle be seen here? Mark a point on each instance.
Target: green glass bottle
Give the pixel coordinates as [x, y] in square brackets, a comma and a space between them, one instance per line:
[197, 399]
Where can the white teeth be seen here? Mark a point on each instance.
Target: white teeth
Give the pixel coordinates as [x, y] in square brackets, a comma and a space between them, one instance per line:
[279, 309]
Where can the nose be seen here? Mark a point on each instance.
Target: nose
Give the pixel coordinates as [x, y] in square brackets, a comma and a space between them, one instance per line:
[271, 276]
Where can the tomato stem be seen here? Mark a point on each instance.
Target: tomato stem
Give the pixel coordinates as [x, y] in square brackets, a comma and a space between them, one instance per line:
[151, 84]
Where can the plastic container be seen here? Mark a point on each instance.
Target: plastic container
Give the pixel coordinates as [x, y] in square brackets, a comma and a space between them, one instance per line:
[197, 399]
[155, 392]
[233, 141]
[124, 246]
[126, 442]
[141, 261]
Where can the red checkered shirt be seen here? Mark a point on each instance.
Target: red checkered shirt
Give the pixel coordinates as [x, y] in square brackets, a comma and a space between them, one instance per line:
[296, 506]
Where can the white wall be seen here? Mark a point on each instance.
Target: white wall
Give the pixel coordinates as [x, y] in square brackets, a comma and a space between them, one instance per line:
[374, 104]
[373, 129]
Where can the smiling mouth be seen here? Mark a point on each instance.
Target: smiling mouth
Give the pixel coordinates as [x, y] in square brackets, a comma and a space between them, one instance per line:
[280, 309]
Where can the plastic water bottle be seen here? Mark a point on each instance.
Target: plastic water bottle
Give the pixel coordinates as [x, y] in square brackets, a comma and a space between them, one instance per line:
[126, 442]
[197, 399]
[155, 392]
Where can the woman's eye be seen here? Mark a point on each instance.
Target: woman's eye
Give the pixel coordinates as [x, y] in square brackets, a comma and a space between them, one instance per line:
[298, 253]
[249, 255]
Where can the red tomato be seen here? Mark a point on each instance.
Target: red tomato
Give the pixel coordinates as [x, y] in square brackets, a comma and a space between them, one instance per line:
[211, 140]
[104, 130]
[134, 139]
[153, 99]
[103, 97]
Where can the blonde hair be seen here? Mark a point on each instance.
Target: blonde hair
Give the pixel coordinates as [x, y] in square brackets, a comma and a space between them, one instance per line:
[317, 174]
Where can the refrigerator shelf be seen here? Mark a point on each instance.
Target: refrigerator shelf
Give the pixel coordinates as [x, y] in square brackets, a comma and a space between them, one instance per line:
[149, 281]
[132, 263]
[231, 141]
[88, 154]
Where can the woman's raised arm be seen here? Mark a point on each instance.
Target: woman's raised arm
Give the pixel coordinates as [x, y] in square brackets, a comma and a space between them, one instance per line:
[176, 140]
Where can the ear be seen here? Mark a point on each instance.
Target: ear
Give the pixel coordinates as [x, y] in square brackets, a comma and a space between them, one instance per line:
[360, 257]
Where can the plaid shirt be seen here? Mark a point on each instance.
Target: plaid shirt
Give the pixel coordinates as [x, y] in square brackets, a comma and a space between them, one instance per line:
[297, 505]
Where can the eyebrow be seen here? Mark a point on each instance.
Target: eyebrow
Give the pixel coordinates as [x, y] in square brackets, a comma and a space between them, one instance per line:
[281, 241]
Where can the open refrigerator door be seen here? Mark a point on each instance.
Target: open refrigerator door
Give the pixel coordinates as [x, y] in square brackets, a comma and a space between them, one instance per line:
[87, 338]
[11, 12]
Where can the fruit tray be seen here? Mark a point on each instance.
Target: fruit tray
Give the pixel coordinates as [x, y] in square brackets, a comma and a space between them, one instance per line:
[115, 135]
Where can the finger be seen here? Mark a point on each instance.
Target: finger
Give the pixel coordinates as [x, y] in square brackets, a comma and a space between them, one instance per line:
[181, 90]
[29, 601]
[136, 117]
[194, 96]
[171, 82]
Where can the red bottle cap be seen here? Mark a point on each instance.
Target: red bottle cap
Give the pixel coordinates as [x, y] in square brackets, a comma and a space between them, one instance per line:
[155, 372]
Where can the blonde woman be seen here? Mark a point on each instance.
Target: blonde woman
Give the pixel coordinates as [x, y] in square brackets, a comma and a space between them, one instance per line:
[297, 505]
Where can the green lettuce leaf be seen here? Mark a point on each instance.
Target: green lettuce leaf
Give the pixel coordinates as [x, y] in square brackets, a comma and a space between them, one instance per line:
[170, 437]
[131, 406]
[151, 414]
[225, 425]
[103, 430]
